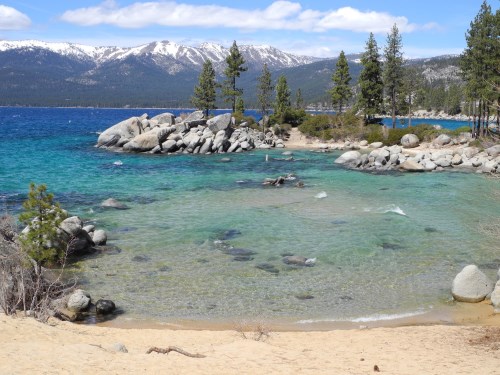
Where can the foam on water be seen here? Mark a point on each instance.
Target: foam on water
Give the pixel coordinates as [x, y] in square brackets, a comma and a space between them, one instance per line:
[367, 319]
[321, 195]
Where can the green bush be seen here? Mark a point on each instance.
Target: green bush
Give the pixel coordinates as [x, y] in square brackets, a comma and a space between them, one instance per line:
[240, 117]
[282, 130]
[293, 116]
[42, 216]
[318, 126]
[373, 133]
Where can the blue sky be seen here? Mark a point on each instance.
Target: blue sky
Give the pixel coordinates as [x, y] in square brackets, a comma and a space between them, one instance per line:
[315, 28]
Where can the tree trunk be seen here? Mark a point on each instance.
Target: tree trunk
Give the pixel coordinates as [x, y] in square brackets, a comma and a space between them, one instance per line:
[393, 99]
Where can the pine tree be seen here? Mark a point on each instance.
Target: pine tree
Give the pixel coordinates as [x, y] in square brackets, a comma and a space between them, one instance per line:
[240, 105]
[393, 68]
[370, 98]
[282, 104]
[299, 101]
[42, 216]
[480, 65]
[235, 66]
[341, 92]
[411, 84]
[204, 94]
[264, 92]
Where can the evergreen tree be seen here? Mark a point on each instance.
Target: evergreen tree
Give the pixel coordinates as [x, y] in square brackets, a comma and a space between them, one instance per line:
[204, 94]
[480, 65]
[235, 66]
[410, 87]
[341, 92]
[393, 68]
[282, 104]
[42, 216]
[240, 105]
[299, 101]
[370, 98]
[264, 92]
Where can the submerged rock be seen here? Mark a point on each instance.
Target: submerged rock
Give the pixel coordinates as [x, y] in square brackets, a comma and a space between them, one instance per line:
[267, 267]
[113, 203]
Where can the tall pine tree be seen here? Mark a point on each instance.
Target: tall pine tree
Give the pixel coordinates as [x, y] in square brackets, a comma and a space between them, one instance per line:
[264, 93]
[235, 66]
[204, 93]
[371, 94]
[299, 100]
[282, 104]
[393, 68]
[341, 92]
[480, 66]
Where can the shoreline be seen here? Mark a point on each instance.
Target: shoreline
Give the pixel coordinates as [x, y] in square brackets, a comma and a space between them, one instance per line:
[470, 347]
[455, 314]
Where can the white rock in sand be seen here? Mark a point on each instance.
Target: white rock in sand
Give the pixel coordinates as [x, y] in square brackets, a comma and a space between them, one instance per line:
[471, 285]
[495, 297]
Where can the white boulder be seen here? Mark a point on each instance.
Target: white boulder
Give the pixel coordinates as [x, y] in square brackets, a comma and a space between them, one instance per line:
[471, 285]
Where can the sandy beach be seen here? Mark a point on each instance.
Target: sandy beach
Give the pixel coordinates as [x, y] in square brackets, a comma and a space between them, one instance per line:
[61, 347]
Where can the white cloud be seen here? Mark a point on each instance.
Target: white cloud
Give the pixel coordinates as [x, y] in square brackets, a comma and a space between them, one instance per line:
[12, 19]
[280, 15]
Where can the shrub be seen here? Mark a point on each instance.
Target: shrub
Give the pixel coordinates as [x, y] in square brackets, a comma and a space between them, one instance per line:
[292, 116]
[42, 216]
[318, 126]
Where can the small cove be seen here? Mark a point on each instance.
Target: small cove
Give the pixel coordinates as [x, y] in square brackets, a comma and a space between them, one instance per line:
[371, 260]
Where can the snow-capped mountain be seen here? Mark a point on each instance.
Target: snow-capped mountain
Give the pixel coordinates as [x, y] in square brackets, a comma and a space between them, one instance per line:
[164, 52]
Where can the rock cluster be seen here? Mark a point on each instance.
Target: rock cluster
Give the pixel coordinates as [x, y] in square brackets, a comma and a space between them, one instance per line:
[167, 134]
[437, 157]
[472, 285]
[78, 306]
[78, 238]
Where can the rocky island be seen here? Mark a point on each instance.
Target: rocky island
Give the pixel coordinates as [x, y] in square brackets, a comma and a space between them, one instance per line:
[195, 134]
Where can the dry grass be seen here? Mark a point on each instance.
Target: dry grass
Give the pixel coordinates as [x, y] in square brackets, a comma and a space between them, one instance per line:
[24, 284]
[487, 338]
[257, 331]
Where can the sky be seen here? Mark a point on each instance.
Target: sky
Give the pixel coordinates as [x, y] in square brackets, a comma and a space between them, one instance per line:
[312, 28]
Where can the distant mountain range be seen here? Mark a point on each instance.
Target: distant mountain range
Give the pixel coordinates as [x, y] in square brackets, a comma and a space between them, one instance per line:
[158, 74]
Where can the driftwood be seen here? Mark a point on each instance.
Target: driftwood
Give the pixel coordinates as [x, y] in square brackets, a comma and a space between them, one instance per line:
[174, 349]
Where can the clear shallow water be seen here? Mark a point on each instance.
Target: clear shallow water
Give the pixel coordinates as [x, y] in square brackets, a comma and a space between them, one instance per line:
[371, 259]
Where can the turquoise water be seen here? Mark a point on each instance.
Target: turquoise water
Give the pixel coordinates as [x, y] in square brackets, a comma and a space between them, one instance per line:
[371, 259]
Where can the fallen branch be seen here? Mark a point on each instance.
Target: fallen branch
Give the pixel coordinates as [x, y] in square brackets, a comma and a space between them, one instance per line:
[173, 349]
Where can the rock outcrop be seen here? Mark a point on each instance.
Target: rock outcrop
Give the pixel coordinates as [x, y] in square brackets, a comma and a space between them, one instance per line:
[165, 134]
[443, 153]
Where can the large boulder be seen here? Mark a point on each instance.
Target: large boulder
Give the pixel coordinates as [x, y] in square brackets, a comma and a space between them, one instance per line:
[147, 141]
[194, 117]
[78, 301]
[99, 237]
[471, 285]
[72, 225]
[411, 166]
[376, 145]
[410, 141]
[169, 146]
[220, 122]
[442, 139]
[348, 157]
[493, 151]
[164, 118]
[121, 133]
